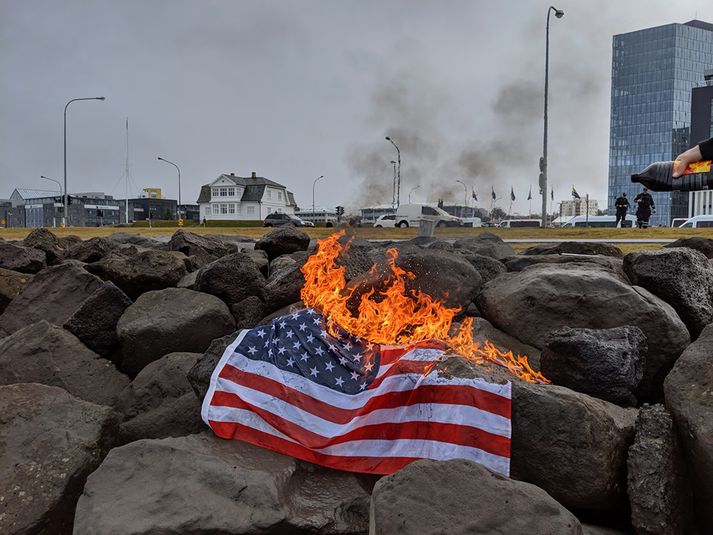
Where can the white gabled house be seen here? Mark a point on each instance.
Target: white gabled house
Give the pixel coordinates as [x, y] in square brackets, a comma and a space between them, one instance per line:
[237, 198]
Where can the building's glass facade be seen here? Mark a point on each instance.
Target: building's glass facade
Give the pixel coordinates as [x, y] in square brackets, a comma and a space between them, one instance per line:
[653, 72]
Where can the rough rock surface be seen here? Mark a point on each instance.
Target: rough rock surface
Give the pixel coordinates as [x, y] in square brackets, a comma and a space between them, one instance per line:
[260, 258]
[487, 244]
[569, 444]
[461, 497]
[43, 240]
[578, 248]
[689, 397]
[283, 240]
[232, 278]
[248, 312]
[52, 295]
[202, 484]
[49, 442]
[483, 330]
[128, 238]
[94, 322]
[47, 354]
[532, 303]
[284, 285]
[704, 245]
[11, 284]
[205, 249]
[604, 363]
[136, 272]
[682, 277]
[159, 402]
[23, 259]
[199, 374]
[91, 250]
[174, 319]
[487, 266]
[520, 262]
[662, 503]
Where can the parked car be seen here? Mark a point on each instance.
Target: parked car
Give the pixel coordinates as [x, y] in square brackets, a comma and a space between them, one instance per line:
[409, 215]
[276, 219]
[385, 221]
[678, 221]
[699, 221]
[599, 221]
[520, 223]
[472, 222]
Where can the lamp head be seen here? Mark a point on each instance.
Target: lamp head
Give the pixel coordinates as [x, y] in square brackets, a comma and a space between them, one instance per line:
[100, 98]
[393, 161]
[559, 13]
[159, 158]
[387, 138]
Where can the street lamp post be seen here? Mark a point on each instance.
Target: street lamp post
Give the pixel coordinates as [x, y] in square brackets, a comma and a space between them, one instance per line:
[465, 195]
[393, 192]
[54, 219]
[398, 183]
[313, 185]
[410, 192]
[65, 218]
[179, 183]
[543, 162]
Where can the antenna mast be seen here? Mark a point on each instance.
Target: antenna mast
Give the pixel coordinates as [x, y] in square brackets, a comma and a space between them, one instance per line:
[126, 171]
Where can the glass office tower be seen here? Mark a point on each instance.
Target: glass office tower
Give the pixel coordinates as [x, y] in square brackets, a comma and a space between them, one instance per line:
[653, 73]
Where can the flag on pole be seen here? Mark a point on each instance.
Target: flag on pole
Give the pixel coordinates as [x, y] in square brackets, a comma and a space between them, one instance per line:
[339, 401]
[512, 194]
[493, 193]
[529, 195]
[473, 194]
[552, 194]
[575, 194]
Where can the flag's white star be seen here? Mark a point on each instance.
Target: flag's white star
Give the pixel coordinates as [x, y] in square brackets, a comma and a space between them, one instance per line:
[295, 345]
[368, 366]
[332, 348]
[323, 333]
[339, 381]
[313, 371]
[355, 375]
[267, 343]
[295, 315]
[305, 356]
[282, 324]
[261, 333]
[357, 357]
[319, 351]
[290, 334]
[370, 346]
[281, 350]
[269, 352]
[310, 338]
[303, 326]
[356, 338]
[343, 361]
[362, 386]
[329, 366]
[310, 312]
[316, 321]
[347, 346]
[252, 350]
[290, 362]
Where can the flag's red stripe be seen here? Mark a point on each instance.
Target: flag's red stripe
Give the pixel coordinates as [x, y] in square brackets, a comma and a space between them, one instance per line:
[450, 394]
[420, 367]
[392, 354]
[373, 465]
[440, 432]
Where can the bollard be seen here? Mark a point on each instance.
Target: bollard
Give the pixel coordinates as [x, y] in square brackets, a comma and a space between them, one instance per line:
[425, 228]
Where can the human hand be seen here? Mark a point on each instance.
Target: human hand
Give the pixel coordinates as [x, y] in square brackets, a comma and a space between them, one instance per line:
[684, 159]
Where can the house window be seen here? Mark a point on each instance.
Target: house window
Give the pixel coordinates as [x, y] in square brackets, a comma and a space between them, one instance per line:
[223, 208]
[231, 192]
[223, 192]
[269, 193]
[237, 208]
[231, 208]
[215, 192]
[279, 195]
[216, 209]
[251, 210]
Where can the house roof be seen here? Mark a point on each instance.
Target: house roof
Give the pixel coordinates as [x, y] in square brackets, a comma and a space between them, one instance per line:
[36, 193]
[254, 188]
[253, 193]
[250, 181]
[291, 199]
[204, 195]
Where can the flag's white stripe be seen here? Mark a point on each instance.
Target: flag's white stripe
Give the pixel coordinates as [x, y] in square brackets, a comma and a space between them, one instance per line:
[423, 354]
[395, 383]
[426, 449]
[419, 412]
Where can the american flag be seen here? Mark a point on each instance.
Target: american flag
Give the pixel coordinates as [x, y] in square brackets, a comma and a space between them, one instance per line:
[343, 402]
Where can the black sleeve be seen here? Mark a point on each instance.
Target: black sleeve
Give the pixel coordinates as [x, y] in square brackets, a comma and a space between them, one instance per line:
[706, 149]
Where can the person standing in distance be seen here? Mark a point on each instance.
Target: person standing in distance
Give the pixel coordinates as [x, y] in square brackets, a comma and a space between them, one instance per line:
[622, 208]
[645, 203]
[702, 151]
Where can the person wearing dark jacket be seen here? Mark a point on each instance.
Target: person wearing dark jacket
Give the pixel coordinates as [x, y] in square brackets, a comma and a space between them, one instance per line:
[702, 151]
[645, 203]
[622, 207]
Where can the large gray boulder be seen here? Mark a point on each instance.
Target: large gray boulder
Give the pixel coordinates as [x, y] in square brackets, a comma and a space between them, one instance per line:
[520, 262]
[658, 485]
[137, 272]
[578, 248]
[23, 259]
[248, 312]
[200, 373]
[232, 278]
[91, 250]
[165, 321]
[49, 442]
[43, 240]
[682, 277]
[284, 286]
[689, 397]
[570, 444]
[283, 240]
[704, 245]
[487, 266]
[142, 242]
[11, 284]
[203, 249]
[160, 402]
[540, 299]
[94, 322]
[460, 497]
[201, 484]
[487, 244]
[483, 331]
[47, 354]
[604, 363]
[53, 295]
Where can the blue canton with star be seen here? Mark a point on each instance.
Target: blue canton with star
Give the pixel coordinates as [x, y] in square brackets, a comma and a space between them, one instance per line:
[300, 343]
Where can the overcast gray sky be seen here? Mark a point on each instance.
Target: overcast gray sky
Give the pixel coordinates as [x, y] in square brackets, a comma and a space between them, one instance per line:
[297, 89]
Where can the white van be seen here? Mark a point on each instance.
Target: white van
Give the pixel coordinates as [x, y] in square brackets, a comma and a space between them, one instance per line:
[678, 221]
[699, 221]
[521, 223]
[599, 221]
[408, 215]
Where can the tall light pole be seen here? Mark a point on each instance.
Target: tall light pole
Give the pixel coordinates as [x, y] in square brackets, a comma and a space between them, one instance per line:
[393, 193]
[398, 182]
[313, 185]
[179, 184]
[465, 195]
[410, 192]
[543, 161]
[65, 218]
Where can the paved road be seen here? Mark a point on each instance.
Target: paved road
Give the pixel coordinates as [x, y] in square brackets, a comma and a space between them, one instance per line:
[591, 240]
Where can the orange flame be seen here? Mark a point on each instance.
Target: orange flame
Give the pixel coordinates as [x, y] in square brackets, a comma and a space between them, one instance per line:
[394, 314]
